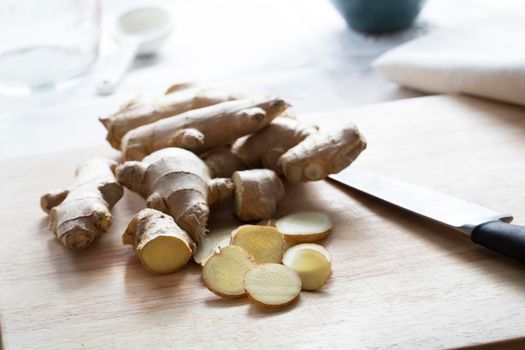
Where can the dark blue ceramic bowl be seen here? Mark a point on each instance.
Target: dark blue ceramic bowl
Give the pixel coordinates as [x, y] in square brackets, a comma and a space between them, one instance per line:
[379, 16]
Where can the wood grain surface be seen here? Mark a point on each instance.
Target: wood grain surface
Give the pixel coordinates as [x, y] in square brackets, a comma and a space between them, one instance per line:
[399, 281]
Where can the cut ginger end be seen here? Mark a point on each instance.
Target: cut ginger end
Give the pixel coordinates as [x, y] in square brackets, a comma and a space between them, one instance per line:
[305, 226]
[164, 254]
[223, 272]
[265, 244]
[312, 262]
[272, 285]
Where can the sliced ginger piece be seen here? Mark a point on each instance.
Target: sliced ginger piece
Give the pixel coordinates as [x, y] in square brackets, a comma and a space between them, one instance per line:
[272, 285]
[223, 272]
[317, 247]
[161, 245]
[214, 241]
[265, 244]
[305, 226]
[312, 262]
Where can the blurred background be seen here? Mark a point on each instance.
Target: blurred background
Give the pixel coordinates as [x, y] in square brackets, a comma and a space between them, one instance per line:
[303, 51]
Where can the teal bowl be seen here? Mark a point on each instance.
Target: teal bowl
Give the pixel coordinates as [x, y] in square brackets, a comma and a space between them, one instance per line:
[379, 16]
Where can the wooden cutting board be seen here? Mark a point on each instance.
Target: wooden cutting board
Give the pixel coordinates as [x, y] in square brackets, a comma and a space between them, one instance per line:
[398, 281]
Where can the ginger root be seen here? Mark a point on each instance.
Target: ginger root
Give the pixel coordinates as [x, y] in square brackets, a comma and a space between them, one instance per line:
[299, 150]
[223, 273]
[81, 213]
[272, 285]
[222, 162]
[257, 193]
[161, 245]
[305, 226]
[177, 182]
[312, 262]
[265, 244]
[322, 154]
[140, 111]
[264, 148]
[203, 129]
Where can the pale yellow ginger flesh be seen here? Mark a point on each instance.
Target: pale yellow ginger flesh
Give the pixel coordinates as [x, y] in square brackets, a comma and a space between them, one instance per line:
[80, 213]
[305, 226]
[265, 244]
[142, 110]
[214, 241]
[265, 147]
[317, 247]
[257, 193]
[311, 262]
[223, 272]
[200, 130]
[177, 182]
[322, 154]
[161, 245]
[272, 285]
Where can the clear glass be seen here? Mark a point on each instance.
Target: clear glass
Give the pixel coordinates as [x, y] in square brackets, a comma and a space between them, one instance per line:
[46, 44]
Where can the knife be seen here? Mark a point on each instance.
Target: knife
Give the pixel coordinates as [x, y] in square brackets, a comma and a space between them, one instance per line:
[484, 226]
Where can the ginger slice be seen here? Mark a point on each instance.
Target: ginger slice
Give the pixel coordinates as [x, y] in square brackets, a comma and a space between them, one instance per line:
[161, 245]
[305, 226]
[317, 247]
[223, 272]
[311, 262]
[265, 244]
[214, 241]
[272, 285]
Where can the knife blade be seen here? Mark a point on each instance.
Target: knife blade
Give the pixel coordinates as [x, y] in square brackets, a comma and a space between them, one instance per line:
[486, 227]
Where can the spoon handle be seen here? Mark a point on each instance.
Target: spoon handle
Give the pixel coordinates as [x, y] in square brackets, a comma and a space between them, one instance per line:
[115, 66]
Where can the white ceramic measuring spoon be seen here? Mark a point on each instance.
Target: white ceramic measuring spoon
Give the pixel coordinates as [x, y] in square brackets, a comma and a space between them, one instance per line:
[140, 32]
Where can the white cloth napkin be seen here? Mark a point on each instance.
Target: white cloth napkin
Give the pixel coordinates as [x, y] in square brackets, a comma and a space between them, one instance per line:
[485, 59]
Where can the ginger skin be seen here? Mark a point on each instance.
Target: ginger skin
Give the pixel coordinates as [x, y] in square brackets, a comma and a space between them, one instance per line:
[81, 213]
[264, 148]
[203, 129]
[222, 162]
[300, 151]
[257, 193]
[177, 182]
[142, 110]
[322, 154]
[161, 245]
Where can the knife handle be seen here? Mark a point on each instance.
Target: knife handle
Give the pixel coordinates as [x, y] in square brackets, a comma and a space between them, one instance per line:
[503, 238]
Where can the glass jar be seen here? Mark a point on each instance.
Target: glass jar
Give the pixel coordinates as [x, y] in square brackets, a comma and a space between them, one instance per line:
[45, 45]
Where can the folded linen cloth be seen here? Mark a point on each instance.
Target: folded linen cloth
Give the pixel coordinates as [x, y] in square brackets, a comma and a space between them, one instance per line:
[483, 59]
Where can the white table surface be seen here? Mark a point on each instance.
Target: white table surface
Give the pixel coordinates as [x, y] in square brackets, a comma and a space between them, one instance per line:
[298, 49]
